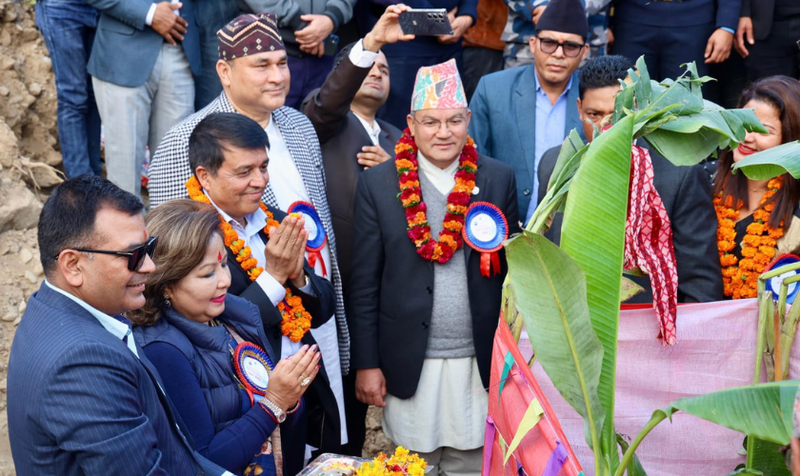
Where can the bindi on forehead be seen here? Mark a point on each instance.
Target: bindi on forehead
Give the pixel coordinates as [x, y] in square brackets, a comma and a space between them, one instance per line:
[219, 256]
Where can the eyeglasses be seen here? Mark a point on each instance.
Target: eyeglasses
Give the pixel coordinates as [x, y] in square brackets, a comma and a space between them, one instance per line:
[549, 46]
[434, 125]
[135, 256]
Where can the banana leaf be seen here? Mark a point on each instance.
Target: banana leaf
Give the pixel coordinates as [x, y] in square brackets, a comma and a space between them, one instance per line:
[685, 149]
[772, 162]
[765, 456]
[550, 293]
[593, 235]
[635, 467]
[569, 159]
[763, 410]
[746, 472]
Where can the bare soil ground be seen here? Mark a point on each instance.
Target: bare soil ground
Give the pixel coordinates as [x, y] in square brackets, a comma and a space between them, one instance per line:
[28, 155]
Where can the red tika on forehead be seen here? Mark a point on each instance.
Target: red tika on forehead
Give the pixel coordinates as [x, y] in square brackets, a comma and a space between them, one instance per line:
[219, 256]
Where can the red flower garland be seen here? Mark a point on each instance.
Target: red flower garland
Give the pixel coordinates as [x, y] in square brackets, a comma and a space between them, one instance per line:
[419, 230]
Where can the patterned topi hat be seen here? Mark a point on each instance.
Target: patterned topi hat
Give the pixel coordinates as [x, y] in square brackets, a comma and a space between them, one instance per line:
[438, 87]
[249, 34]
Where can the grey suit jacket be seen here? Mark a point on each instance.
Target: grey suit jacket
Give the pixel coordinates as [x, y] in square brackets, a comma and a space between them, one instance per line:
[686, 193]
[503, 123]
[341, 136]
[80, 402]
[125, 49]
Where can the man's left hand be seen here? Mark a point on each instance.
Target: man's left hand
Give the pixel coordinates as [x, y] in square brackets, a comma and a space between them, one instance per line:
[718, 47]
[318, 29]
[372, 155]
[460, 26]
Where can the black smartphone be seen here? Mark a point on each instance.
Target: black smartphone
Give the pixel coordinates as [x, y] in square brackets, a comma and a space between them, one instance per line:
[426, 22]
[331, 45]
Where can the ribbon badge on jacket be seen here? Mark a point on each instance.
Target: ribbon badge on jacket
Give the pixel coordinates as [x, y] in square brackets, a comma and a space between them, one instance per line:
[485, 230]
[774, 284]
[316, 233]
[253, 367]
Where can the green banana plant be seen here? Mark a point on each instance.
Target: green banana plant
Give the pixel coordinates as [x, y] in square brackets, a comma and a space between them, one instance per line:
[569, 297]
[763, 411]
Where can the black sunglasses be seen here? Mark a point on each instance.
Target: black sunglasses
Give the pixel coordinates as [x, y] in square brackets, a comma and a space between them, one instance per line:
[135, 256]
[549, 46]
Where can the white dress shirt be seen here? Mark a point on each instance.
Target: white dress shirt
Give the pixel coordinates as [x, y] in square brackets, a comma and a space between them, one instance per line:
[374, 130]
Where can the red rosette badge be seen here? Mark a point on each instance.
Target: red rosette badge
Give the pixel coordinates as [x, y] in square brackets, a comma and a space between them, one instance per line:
[316, 232]
[485, 230]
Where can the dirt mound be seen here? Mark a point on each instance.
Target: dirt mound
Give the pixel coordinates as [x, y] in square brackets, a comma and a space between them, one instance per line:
[28, 155]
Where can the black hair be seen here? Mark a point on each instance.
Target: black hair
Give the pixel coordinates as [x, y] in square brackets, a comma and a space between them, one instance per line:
[218, 130]
[780, 92]
[602, 72]
[68, 216]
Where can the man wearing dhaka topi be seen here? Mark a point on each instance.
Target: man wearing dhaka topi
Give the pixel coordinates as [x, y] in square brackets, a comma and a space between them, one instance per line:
[426, 283]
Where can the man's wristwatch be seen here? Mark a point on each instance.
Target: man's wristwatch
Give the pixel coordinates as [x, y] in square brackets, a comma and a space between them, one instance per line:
[279, 414]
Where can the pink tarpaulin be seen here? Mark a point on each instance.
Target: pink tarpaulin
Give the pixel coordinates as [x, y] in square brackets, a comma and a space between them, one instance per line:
[715, 350]
[523, 436]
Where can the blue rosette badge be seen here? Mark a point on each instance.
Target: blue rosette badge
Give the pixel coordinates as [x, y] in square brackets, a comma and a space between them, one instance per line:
[253, 367]
[316, 232]
[774, 284]
[485, 230]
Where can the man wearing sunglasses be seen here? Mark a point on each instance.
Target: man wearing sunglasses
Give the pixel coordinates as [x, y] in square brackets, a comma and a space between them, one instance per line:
[82, 397]
[519, 113]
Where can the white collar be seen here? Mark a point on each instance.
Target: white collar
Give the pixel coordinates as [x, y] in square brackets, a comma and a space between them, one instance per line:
[256, 221]
[443, 179]
[374, 130]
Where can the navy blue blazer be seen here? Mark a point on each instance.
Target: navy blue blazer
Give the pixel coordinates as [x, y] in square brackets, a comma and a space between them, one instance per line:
[125, 49]
[503, 123]
[722, 13]
[80, 402]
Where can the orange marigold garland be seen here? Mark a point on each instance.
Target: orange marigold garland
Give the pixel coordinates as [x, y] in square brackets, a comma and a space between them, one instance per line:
[740, 277]
[419, 230]
[296, 320]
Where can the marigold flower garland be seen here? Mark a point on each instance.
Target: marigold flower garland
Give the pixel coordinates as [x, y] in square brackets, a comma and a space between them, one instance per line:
[740, 277]
[296, 321]
[399, 464]
[419, 230]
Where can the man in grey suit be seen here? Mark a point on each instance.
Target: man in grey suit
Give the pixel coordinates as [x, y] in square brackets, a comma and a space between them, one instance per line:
[685, 191]
[82, 397]
[519, 113]
[142, 62]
